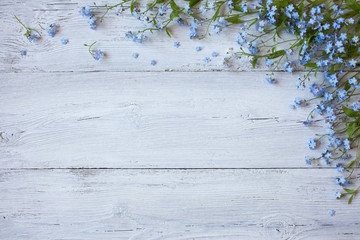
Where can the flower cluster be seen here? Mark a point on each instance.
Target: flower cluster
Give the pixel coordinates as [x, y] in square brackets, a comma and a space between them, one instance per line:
[324, 37]
[31, 34]
[51, 29]
[88, 13]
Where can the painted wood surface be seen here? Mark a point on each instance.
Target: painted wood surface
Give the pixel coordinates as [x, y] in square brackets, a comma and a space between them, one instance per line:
[163, 120]
[173, 204]
[47, 53]
[120, 149]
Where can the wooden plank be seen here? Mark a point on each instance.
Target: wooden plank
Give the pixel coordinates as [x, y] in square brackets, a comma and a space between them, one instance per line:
[162, 120]
[48, 55]
[174, 204]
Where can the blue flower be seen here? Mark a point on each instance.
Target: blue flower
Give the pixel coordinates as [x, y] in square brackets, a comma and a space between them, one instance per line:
[342, 180]
[23, 53]
[51, 29]
[64, 41]
[97, 54]
[203, 9]
[32, 37]
[342, 94]
[340, 169]
[308, 160]
[153, 62]
[292, 107]
[207, 59]
[316, 90]
[270, 80]
[328, 97]
[338, 195]
[347, 144]
[176, 44]
[214, 54]
[352, 63]
[299, 83]
[139, 37]
[332, 212]
[298, 101]
[135, 55]
[355, 39]
[86, 12]
[311, 143]
[356, 106]
[353, 81]
[119, 11]
[198, 48]
[307, 123]
[329, 131]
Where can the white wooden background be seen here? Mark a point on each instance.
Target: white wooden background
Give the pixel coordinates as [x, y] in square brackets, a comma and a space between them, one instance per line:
[120, 149]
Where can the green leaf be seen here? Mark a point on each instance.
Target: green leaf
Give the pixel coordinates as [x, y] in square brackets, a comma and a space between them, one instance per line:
[234, 19]
[350, 199]
[311, 65]
[350, 129]
[276, 54]
[347, 86]
[352, 4]
[350, 163]
[216, 13]
[350, 113]
[349, 191]
[193, 3]
[167, 32]
[254, 62]
[173, 15]
[132, 5]
[174, 7]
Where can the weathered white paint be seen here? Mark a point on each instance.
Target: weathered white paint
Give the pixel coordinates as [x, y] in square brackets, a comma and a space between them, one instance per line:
[165, 120]
[46, 54]
[173, 204]
[61, 109]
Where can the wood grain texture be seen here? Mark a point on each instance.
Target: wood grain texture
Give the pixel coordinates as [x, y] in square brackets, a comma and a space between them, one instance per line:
[173, 204]
[162, 120]
[47, 53]
[103, 150]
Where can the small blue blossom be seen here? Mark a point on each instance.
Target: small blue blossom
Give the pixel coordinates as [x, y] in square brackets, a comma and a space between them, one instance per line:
[198, 48]
[308, 160]
[340, 169]
[353, 81]
[332, 212]
[352, 63]
[135, 55]
[32, 37]
[292, 106]
[153, 62]
[176, 44]
[51, 29]
[311, 143]
[342, 94]
[346, 143]
[307, 123]
[64, 41]
[338, 195]
[270, 80]
[355, 106]
[316, 90]
[328, 97]
[214, 54]
[207, 59]
[298, 101]
[23, 53]
[97, 54]
[342, 180]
